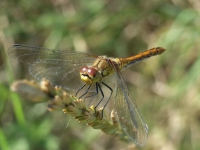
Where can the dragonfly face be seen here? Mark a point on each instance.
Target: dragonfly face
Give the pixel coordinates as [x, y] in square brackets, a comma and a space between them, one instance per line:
[99, 70]
[90, 75]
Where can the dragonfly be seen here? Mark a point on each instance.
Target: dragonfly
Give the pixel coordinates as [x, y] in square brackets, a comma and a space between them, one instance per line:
[75, 71]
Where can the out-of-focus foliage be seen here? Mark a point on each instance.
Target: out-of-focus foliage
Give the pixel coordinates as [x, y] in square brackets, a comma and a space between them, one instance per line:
[166, 87]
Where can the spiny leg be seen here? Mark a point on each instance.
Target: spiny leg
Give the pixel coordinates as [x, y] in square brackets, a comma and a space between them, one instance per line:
[101, 94]
[92, 95]
[111, 91]
[100, 100]
[80, 89]
[86, 91]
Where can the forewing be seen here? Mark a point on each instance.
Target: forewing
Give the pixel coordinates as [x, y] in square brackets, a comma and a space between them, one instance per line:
[30, 54]
[128, 115]
[61, 68]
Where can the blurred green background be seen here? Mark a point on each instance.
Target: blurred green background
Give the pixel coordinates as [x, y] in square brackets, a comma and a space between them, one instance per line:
[166, 88]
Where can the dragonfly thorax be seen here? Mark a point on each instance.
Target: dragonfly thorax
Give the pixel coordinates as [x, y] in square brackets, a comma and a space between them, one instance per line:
[90, 75]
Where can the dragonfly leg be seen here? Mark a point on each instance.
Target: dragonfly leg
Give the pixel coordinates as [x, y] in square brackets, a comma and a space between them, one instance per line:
[101, 94]
[92, 95]
[85, 91]
[111, 91]
[101, 98]
[80, 89]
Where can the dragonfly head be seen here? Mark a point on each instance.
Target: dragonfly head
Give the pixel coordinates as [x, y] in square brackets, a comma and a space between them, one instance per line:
[89, 75]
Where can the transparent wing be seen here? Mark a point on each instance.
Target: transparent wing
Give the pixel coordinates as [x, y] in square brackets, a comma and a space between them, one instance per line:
[60, 67]
[128, 115]
[59, 72]
[30, 54]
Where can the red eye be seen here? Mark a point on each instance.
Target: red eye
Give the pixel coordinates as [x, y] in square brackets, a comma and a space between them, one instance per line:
[92, 72]
[83, 69]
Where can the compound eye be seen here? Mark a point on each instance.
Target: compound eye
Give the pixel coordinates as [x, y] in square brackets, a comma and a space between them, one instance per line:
[83, 69]
[92, 72]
